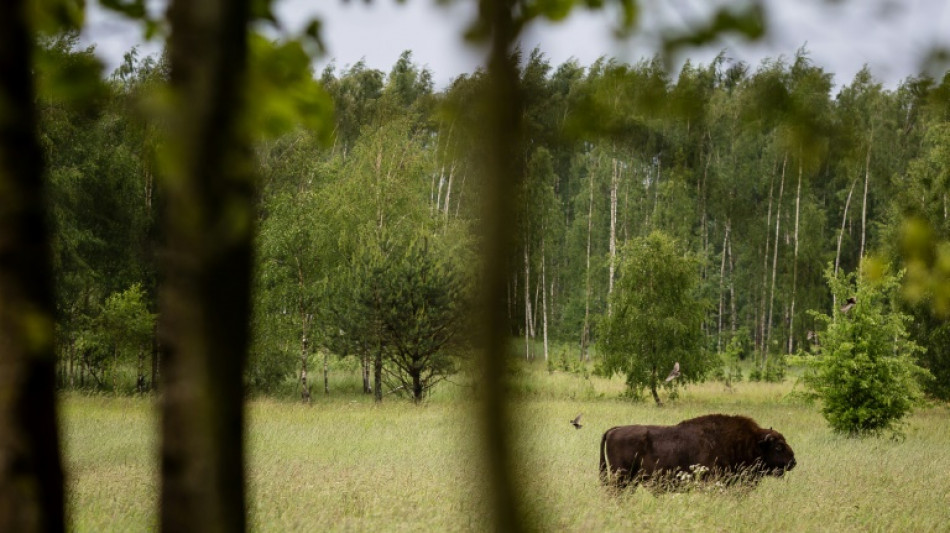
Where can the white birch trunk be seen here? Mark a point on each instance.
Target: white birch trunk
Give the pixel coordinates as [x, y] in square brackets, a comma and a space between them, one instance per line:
[844, 220]
[722, 275]
[585, 332]
[544, 298]
[448, 192]
[614, 182]
[791, 314]
[778, 222]
[437, 192]
[527, 304]
[760, 312]
[732, 291]
[864, 204]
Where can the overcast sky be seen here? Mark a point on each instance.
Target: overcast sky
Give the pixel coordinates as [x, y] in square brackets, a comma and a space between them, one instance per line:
[892, 36]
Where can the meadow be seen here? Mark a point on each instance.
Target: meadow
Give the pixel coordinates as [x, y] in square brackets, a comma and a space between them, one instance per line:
[345, 464]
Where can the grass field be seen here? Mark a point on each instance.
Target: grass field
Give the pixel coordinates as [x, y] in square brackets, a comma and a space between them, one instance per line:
[344, 464]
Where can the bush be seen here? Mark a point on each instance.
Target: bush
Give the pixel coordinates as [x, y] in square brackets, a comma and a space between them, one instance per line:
[731, 357]
[865, 373]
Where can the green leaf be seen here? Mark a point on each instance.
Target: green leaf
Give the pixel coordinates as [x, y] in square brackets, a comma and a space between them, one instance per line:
[131, 8]
[749, 23]
[282, 92]
[54, 16]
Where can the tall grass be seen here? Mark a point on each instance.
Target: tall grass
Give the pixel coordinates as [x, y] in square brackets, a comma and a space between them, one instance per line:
[344, 464]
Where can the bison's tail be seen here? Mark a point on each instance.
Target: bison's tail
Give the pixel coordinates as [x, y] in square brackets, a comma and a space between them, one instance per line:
[604, 467]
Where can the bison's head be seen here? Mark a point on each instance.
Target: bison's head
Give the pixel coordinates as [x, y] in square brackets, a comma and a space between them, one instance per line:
[777, 456]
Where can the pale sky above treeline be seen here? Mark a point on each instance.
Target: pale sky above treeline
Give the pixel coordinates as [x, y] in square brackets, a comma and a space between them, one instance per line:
[894, 37]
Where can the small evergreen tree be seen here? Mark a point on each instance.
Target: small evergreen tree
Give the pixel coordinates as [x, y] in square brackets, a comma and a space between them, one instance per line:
[865, 373]
[414, 303]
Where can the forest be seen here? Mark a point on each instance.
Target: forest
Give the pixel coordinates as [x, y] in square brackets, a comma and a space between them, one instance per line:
[768, 175]
[238, 293]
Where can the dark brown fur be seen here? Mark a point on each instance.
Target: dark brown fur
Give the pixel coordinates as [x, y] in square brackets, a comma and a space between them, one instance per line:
[726, 445]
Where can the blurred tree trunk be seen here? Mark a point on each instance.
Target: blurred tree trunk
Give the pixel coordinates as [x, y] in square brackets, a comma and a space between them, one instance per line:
[205, 300]
[501, 171]
[31, 475]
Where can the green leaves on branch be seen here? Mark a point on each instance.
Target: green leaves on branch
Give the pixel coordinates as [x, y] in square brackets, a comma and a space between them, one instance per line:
[524, 12]
[865, 375]
[748, 22]
[67, 76]
[655, 318]
[131, 8]
[125, 318]
[927, 261]
[50, 17]
[282, 93]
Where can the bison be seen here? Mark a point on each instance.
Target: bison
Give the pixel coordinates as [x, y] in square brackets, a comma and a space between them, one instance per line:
[730, 447]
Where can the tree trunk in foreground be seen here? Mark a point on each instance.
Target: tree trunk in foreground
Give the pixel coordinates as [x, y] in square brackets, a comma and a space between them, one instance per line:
[31, 474]
[501, 172]
[205, 301]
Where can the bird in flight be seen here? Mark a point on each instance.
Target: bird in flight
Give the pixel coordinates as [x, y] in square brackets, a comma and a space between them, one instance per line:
[675, 373]
[848, 304]
[576, 422]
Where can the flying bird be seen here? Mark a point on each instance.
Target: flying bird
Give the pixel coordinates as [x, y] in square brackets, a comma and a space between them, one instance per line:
[848, 304]
[675, 373]
[576, 421]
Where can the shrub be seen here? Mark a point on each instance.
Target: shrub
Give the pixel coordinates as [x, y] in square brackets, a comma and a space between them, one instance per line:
[865, 373]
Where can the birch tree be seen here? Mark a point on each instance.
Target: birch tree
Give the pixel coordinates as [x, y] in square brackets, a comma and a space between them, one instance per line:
[657, 318]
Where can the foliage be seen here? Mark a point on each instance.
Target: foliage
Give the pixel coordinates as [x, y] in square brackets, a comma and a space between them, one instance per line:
[698, 155]
[865, 374]
[415, 303]
[736, 351]
[656, 319]
[125, 319]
